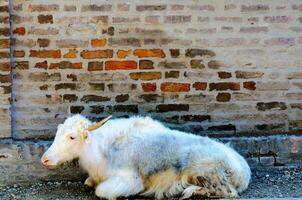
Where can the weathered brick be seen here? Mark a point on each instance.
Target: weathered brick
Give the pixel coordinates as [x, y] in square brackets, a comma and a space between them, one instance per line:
[172, 74]
[76, 109]
[45, 53]
[277, 19]
[172, 107]
[43, 7]
[125, 108]
[70, 8]
[4, 8]
[44, 76]
[250, 85]
[123, 53]
[223, 97]
[97, 54]
[121, 98]
[18, 54]
[43, 42]
[95, 66]
[146, 64]
[141, 8]
[97, 109]
[19, 31]
[271, 85]
[64, 86]
[199, 52]
[214, 64]
[177, 19]
[121, 87]
[174, 53]
[224, 86]
[120, 65]
[98, 42]
[5, 78]
[42, 65]
[4, 43]
[172, 65]
[200, 85]
[73, 77]
[65, 65]
[254, 8]
[71, 43]
[72, 53]
[4, 32]
[5, 66]
[124, 42]
[263, 106]
[21, 65]
[228, 127]
[175, 87]
[70, 98]
[95, 7]
[149, 87]
[197, 64]
[45, 19]
[280, 41]
[195, 118]
[97, 86]
[94, 98]
[258, 29]
[146, 76]
[224, 75]
[248, 75]
[144, 53]
[5, 54]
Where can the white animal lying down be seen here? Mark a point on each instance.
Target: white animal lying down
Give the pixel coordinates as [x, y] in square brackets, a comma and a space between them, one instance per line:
[140, 156]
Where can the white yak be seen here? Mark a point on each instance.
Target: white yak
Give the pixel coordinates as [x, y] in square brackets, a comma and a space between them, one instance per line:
[140, 156]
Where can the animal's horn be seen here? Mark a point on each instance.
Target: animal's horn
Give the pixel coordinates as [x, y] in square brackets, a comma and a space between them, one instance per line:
[99, 124]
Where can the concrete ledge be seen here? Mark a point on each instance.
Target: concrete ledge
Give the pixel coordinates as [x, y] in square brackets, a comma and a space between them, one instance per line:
[20, 160]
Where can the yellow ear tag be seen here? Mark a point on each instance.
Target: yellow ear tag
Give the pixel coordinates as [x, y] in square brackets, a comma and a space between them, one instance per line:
[84, 135]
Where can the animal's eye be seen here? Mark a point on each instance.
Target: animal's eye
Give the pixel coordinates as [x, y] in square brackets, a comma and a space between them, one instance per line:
[72, 138]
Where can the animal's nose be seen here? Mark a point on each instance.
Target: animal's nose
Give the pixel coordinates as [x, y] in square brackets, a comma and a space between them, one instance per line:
[44, 161]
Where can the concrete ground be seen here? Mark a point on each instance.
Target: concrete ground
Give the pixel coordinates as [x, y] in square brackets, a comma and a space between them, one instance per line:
[273, 183]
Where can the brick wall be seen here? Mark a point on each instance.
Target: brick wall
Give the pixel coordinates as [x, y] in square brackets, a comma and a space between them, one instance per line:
[5, 69]
[210, 67]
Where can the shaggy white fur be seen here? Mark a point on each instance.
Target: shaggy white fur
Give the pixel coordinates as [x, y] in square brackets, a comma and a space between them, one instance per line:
[141, 156]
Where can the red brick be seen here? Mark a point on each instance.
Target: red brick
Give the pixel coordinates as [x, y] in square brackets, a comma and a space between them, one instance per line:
[120, 65]
[45, 53]
[250, 85]
[144, 53]
[4, 43]
[175, 87]
[123, 53]
[19, 54]
[98, 42]
[149, 87]
[72, 53]
[146, 76]
[200, 85]
[66, 65]
[5, 78]
[42, 65]
[19, 31]
[97, 54]
[5, 66]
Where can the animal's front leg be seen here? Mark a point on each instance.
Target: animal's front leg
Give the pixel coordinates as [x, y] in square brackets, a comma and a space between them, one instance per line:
[122, 184]
[90, 182]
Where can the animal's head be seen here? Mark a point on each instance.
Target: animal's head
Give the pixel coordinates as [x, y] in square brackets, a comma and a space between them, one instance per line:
[69, 140]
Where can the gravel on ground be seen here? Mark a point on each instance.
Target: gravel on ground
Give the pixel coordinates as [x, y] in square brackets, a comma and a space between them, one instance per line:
[273, 183]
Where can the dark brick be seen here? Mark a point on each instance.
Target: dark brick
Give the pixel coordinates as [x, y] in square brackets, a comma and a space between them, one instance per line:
[4, 32]
[150, 97]
[146, 64]
[172, 107]
[42, 65]
[125, 108]
[200, 85]
[6, 89]
[197, 64]
[73, 77]
[224, 86]
[122, 98]
[70, 97]
[262, 106]
[5, 78]
[45, 19]
[224, 75]
[97, 86]
[76, 109]
[4, 54]
[172, 74]
[150, 7]
[228, 127]
[250, 85]
[21, 65]
[270, 127]
[95, 66]
[60, 86]
[94, 98]
[172, 65]
[44, 87]
[214, 64]
[174, 53]
[4, 9]
[199, 52]
[43, 42]
[97, 109]
[196, 118]
[223, 97]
